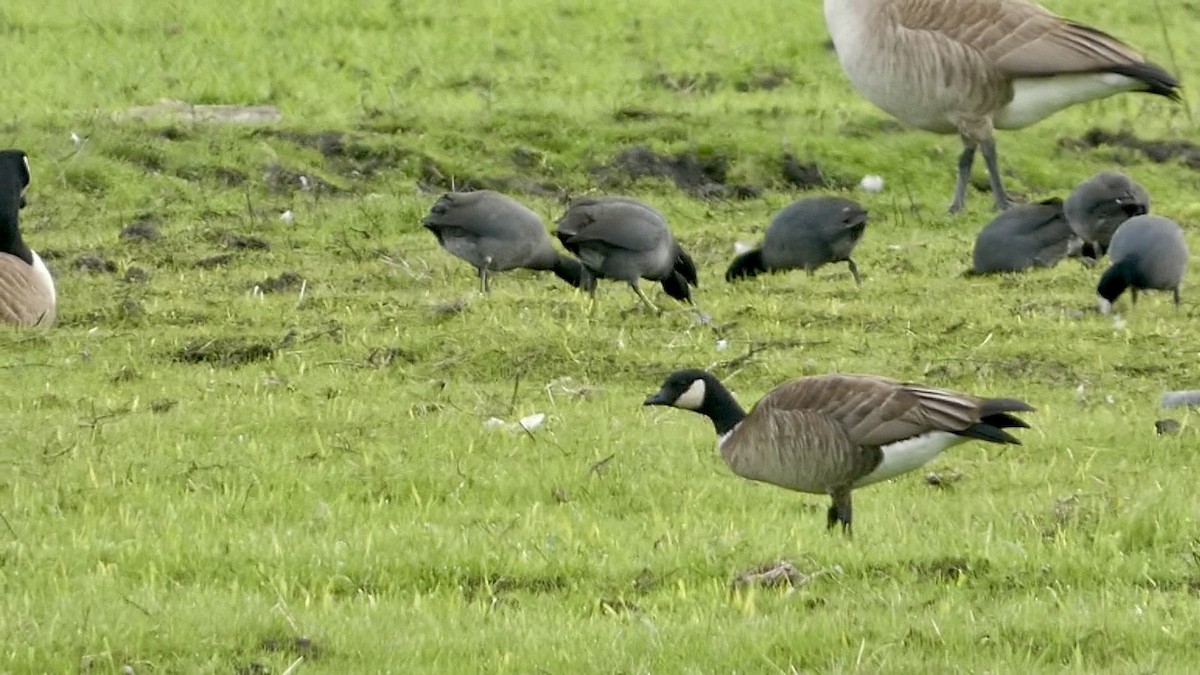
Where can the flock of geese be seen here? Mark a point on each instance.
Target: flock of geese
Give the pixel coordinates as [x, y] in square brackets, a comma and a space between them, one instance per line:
[946, 66]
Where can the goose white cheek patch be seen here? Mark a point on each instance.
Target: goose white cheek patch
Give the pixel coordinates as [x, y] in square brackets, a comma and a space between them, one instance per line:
[693, 397]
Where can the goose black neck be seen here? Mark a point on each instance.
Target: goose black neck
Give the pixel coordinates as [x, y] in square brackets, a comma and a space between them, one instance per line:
[569, 270]
[10, 230]
[722, 408]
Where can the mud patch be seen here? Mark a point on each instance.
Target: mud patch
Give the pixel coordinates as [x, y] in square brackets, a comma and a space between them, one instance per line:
[474, 587]
[634, 115]
[296, 646]
[141, 229]
[949, 569]
[218, 260]
[804, 175]
[766, 80]
[1159, 151]
[136, 275]
[172, 109]
[225, 351]
[92, 263]
[242, 241]
[284, 282]
[698, 175]
[685, 83]
[282, 180]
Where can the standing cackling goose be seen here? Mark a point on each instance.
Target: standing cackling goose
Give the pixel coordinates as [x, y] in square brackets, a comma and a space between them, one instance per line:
[1147, 252]
[496, 233]
[1098, 206]
[1024, 236]
[624, 239]
[831, 434]
[27, 294]
[806, 234]
[971, 66]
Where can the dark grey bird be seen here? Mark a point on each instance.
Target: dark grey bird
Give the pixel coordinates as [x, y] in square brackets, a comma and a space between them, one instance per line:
[830, 434]
[1147, 253]
[1098, 206]
[1024, 236]
[626, 240]
[806, 234]
[496, 233]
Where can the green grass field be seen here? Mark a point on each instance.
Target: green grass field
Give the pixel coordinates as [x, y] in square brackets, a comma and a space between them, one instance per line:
[199, 477]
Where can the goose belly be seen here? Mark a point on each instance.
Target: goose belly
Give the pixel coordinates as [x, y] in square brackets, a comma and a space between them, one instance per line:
[909, 454]
[1035, 99]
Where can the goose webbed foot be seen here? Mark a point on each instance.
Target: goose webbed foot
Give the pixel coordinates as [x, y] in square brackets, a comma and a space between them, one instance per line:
[840, 511]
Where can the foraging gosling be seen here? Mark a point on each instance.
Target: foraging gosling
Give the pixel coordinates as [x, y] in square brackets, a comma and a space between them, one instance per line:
[27, 293]
[831, 434]
[971, 66]
[624, 239]
[1098, 206]
[1024, 236]
[496, 233]
[806, 234]
[1147, 252]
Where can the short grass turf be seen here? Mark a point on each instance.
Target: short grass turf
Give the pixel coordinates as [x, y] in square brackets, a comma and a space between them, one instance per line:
[258, 440]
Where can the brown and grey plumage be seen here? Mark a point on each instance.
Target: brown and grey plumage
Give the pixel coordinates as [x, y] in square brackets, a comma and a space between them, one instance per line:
[830, 434]
[1098, 206]
[496, 233]
[27, 293]
[971, 66]
[625, 239]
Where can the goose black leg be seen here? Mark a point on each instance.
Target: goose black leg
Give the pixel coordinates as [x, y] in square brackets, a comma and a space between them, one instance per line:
[1175, 292]
[854, 271]
[965, 161]
[840, 511]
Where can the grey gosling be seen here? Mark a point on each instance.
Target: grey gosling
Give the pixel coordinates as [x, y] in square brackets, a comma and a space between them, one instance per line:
[830, 434]
[1098, 206]
[27, 293]
[1147, 253]
[971, 66]
[806, 234]
[1024, 236]
[624, 239]
[495, 233]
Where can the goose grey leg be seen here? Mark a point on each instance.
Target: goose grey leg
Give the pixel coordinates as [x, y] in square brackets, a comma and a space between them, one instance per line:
[988, 148]
[483, 280]
[646, 300]
[965, 161]
[840, 511]
[854, 271]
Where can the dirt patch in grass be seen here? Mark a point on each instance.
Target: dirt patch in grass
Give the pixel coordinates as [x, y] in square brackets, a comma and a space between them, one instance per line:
[699, 175]
[286, 281]
[212, 261]
[225, 351]
[804, 175]
[296, 646]
[949, 568]
[765, 80]
[242, 241]
[475, 586]
[283, 180]
[93, 263]
[685, 83]
[142, 229]
[1187, 152]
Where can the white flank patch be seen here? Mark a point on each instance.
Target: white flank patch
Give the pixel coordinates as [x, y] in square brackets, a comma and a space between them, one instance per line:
[912, 453]
[721, 438]
[1104, 305]
[43, 274]
[693, 398]
[494, 423]
[740, 247]
[1037, 98]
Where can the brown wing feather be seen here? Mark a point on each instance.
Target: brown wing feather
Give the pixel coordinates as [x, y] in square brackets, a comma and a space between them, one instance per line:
[875, 411]
[1019, 38]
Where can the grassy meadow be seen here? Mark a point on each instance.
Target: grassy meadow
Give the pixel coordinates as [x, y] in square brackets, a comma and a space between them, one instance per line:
[258, 439]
